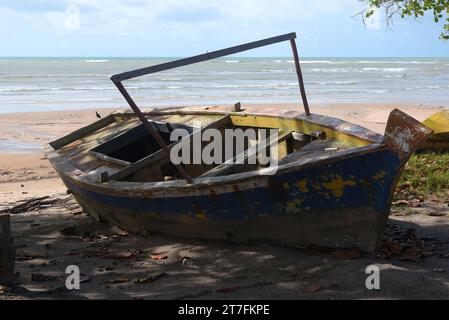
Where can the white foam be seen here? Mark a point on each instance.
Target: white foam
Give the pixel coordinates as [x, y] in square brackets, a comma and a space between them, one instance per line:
[385, 69]
[171, 79]
[96, 60]
[319, 62]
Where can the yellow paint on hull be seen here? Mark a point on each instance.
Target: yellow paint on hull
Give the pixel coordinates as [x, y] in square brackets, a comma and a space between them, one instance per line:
[298, 125]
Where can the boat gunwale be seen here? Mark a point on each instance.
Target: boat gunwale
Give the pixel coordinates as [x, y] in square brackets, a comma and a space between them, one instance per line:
[359, 132]
[65, 168]
[247, 180]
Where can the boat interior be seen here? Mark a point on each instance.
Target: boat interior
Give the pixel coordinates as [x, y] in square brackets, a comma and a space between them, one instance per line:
[119, 147]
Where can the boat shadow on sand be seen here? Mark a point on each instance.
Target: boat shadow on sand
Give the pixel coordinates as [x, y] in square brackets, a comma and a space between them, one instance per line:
[167, 267]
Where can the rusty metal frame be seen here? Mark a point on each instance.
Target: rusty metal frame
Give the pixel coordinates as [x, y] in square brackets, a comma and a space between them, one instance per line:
[119, 78]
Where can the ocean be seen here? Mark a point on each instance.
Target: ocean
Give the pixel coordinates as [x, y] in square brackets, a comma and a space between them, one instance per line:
[47, 84]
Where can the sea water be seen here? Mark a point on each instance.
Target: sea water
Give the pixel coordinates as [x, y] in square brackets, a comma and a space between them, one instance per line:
[42, 84]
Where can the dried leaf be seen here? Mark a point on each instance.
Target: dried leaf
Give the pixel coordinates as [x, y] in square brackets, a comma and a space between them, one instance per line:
[159, 257]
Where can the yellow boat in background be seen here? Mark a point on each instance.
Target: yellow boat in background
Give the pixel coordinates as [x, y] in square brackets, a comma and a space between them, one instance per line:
[439, 140]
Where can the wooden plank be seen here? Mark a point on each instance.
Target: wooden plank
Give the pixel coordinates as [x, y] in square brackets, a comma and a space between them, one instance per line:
[229, 165]
[7, 251]
[80, 133]
[160, 154]
[106, 158]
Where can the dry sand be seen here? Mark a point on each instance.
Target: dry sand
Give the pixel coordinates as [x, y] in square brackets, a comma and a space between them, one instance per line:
[113, 263]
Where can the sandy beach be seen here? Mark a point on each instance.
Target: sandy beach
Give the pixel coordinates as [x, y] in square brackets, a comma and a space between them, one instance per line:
[118, 265]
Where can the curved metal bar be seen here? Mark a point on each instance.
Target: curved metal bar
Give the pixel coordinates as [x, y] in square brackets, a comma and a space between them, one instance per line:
[118, 78]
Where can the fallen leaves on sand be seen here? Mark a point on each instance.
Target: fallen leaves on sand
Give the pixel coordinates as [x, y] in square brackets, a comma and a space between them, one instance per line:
[403, 246]
[104, 254]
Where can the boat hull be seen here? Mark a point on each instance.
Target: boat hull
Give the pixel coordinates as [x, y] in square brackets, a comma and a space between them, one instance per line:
[341, 204]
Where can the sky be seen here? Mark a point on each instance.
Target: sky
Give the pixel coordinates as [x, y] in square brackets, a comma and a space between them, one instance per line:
[178, 28]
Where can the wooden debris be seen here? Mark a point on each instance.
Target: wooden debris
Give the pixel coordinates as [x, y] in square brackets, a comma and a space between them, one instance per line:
[7, 251]
[32, 204]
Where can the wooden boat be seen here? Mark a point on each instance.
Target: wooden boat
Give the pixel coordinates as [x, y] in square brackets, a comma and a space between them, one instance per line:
[333, 186]
[439, 140]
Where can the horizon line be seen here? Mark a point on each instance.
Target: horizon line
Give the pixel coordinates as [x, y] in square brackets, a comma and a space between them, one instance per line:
[234, 57]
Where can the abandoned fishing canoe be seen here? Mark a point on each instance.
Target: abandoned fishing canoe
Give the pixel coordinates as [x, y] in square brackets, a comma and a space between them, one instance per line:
[439, 139]
[332, 186]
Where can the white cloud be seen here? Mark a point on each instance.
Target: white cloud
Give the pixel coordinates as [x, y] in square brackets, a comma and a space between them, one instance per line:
[138, 16]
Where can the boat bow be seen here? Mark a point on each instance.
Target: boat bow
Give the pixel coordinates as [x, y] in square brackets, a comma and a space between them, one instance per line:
[404, 134]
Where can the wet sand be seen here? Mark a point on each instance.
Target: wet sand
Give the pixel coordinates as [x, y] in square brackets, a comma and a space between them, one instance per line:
[115, 264]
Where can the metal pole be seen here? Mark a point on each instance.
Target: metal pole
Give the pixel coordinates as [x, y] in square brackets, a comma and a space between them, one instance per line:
[150, 128]
[300, 79]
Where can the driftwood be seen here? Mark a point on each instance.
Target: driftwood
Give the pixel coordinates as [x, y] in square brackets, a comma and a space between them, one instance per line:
[31, 204]
[7, 251]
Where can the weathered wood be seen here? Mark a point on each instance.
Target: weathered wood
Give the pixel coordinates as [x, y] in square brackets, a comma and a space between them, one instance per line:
[80, 133]
[7, 251]
[29, 204]
[229, 165]
[105, 158]
[159, 155]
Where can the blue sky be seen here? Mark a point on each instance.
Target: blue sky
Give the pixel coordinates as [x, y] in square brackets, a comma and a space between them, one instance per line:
[105, 28]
